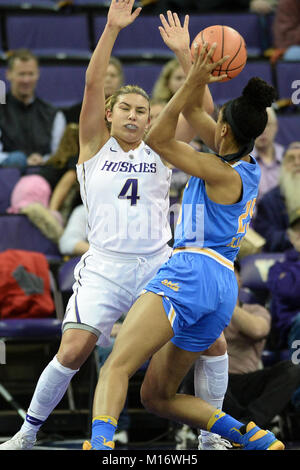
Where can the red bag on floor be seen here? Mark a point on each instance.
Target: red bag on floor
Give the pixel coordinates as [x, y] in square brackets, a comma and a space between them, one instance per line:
[25, 285]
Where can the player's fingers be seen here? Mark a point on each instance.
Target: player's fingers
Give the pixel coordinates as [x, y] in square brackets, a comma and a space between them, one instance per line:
[163, 21]
[202, 55]
[211, 50]
[176, 20]
[170, 18]
[163, 33]
[218, 78]
[220, 62]
[136, 12]
[186, 21]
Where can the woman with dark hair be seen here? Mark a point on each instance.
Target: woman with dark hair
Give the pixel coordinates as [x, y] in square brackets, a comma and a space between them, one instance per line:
[190, 301]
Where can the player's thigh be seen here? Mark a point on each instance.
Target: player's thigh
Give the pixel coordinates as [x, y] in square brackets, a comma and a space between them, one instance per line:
[145, 330]
[166, 371]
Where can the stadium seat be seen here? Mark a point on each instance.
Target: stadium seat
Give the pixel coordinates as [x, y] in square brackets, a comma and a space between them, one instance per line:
[143, 75]
[288, 129]
[288, 80]
[226, 91]
[8, 179]
[61, 85]
[26, 332]
[17, 232]
[27, 5]
[49, 34]
[66, 275]
[140, 40]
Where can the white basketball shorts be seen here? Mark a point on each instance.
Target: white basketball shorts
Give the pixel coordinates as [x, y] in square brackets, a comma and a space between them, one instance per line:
[106, 286]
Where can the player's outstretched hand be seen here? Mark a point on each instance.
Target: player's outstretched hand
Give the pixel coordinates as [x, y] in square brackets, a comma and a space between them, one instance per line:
[175, 36]
[120, 13]
[203, 67]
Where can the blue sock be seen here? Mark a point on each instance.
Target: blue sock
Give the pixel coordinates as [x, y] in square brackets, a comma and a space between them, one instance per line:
[226, 426]
[103, 429]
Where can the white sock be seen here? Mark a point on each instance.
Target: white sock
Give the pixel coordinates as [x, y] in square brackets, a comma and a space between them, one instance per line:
[50, 389]
[210, 381]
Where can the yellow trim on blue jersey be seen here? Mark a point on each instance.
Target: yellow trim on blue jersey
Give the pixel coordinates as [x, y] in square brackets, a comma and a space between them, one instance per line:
[171, 315]
[207, 252]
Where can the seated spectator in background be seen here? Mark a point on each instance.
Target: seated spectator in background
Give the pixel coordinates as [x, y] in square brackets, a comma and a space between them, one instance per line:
[49, 196]
[286, 30]
[255, 392]
[272, 219]
[169, 81]
[268, 154]
[73, 241]
[284, 285]
[30, 128]
[263, 7]
[114, 79]
[156, 107]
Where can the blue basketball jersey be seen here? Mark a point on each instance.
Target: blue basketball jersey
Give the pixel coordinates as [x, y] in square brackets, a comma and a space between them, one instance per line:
[205, 224]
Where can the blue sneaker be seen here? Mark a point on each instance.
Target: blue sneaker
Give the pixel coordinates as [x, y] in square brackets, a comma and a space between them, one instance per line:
[103, 445]
[256, 438]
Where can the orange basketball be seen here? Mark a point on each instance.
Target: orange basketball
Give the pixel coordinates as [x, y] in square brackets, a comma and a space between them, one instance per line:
[229, 42]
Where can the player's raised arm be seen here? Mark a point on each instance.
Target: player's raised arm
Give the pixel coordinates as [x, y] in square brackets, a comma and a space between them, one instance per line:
[162, 134]
[93, 132]
[177, 38]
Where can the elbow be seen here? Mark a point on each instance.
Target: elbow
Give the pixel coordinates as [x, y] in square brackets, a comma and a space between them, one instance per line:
[154, 142]
[209, 108]
[91, 82]
[259, 333]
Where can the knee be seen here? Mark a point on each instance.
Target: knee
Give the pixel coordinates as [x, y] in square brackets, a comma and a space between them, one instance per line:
[218, 348]
[149, 399]
[68, 357]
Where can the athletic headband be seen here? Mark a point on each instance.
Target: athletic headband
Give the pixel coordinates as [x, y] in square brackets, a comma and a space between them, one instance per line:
[249, 144]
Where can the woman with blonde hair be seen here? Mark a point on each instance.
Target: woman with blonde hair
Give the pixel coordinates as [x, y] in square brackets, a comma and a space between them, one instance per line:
[170, 79]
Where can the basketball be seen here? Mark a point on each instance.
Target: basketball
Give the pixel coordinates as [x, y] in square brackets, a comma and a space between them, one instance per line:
[229, 42]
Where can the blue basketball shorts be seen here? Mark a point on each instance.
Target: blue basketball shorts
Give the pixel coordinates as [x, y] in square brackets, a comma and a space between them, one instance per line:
[199, 296]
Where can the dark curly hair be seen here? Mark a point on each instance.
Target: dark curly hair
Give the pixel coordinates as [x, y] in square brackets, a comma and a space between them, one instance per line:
[248, 112]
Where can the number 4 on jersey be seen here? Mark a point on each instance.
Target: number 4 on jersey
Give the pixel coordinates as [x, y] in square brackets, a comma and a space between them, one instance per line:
[130, 184]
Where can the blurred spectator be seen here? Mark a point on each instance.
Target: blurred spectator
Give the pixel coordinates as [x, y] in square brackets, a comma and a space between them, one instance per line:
[30, 128]
[284, 285]
[114, 79]
[73, 241]
[156, 107]
[49, 196]
[263, 7]
[170, 79]
[268, 154]
[286, 29]
[272, 219]
[255, 392]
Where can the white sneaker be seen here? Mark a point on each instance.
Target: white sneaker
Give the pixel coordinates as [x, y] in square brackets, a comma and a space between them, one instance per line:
[213, 442]
[18, 442]
[185, 437]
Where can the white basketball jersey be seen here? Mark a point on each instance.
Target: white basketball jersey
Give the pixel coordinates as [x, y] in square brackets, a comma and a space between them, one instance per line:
[126, 195]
